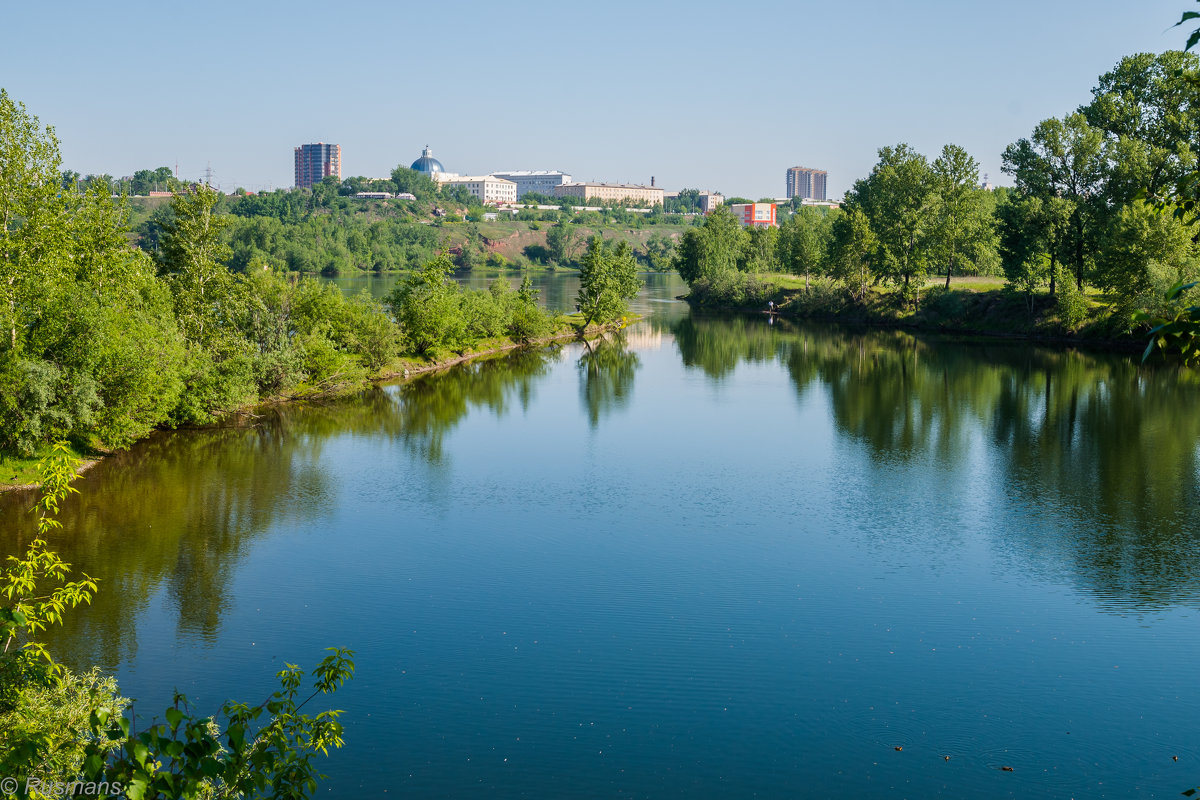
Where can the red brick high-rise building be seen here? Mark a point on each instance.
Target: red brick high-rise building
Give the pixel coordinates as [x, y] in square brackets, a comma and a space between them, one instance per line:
[317, 161]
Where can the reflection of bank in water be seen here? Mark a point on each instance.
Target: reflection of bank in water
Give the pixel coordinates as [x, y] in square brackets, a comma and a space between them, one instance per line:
[1098, 453]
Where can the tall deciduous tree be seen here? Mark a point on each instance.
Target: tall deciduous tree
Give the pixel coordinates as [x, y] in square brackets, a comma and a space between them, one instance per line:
[963, 229]
[1148, 107]
[560, 241]
[899, 199]
[428, 305]
[804, 241]
[713, 249]
[853, 250]
[192, 256]
[760, 252]
[33, 217]
[607, 281]
[418, 184]
[1064, 158]
[1032, 231]
[1144, 251]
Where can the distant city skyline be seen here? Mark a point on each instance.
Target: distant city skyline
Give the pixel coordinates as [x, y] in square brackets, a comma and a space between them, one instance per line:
[226, 85]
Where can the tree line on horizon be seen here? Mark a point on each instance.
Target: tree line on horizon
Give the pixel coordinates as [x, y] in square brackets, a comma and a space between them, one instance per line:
[325, 230]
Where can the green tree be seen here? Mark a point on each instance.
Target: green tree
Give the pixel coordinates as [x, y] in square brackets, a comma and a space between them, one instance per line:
[1031, 235]
[660, 252]
[607, 281]
[711, 250]
[428, 306]
[1142, 253]
[963, 225]
[33, 218]
[686, 201]
[1148, 107]
[192, 255]
[760, 250]
[899, 198]
[154, 180]
[1065, 158]
[527, 320]
[853, 250]
[418, 184]
[560, 241]
[804, 242]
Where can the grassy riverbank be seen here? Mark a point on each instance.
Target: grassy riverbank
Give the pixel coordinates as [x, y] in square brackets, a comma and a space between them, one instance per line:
[982, 307]
[17, 472]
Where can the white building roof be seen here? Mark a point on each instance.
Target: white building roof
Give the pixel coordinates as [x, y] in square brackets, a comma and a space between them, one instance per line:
[477, 179]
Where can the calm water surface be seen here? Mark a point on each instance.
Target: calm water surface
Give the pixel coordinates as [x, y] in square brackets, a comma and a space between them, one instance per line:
[713, 557]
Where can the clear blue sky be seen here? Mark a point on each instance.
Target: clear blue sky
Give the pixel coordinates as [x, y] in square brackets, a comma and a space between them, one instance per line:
[699, 94]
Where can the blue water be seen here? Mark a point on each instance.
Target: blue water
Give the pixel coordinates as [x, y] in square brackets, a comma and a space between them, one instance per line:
[718, 558]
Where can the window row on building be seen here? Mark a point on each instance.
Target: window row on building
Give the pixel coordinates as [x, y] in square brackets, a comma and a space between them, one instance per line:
[612, 192]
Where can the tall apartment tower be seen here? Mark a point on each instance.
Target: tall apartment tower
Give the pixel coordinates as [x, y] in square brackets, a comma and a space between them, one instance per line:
[806, 183]
[317, 161]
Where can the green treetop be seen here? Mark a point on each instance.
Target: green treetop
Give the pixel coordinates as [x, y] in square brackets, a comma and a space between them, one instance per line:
[607, 281]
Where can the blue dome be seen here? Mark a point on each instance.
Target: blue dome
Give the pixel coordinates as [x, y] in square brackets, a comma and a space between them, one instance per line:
[427, 163]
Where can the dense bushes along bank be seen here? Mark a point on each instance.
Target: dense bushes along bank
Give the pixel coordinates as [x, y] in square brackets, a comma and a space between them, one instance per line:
[1067, 317]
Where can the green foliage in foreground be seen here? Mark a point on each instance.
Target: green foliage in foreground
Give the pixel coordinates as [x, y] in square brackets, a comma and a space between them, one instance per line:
[44, 707]
[59, 728]
[1177, 332]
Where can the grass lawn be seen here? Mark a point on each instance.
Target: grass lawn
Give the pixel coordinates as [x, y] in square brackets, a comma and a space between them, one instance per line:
[16, 471]
[973, 283]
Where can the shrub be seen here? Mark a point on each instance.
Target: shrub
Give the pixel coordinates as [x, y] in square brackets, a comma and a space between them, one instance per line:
[1072, 305]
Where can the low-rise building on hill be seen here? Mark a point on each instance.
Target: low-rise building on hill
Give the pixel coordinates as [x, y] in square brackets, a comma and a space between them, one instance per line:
[612, 192]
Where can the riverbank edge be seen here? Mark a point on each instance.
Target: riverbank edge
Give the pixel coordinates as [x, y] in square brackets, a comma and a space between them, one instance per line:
[399, 370]
[1041, 325]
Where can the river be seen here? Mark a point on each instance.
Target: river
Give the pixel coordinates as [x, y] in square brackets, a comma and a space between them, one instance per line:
[710, 557]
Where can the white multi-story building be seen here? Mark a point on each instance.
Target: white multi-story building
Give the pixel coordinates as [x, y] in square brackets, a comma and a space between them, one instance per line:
[615, 192]
[540, 181]
[488, 188]
[709, 201]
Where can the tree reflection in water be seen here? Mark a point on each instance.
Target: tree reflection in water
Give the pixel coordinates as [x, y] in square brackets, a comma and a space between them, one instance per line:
[1105, 447]
[179, 511]
[606, 370]
[1097, 454]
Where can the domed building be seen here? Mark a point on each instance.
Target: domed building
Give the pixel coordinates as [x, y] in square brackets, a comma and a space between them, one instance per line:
[428, 165]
